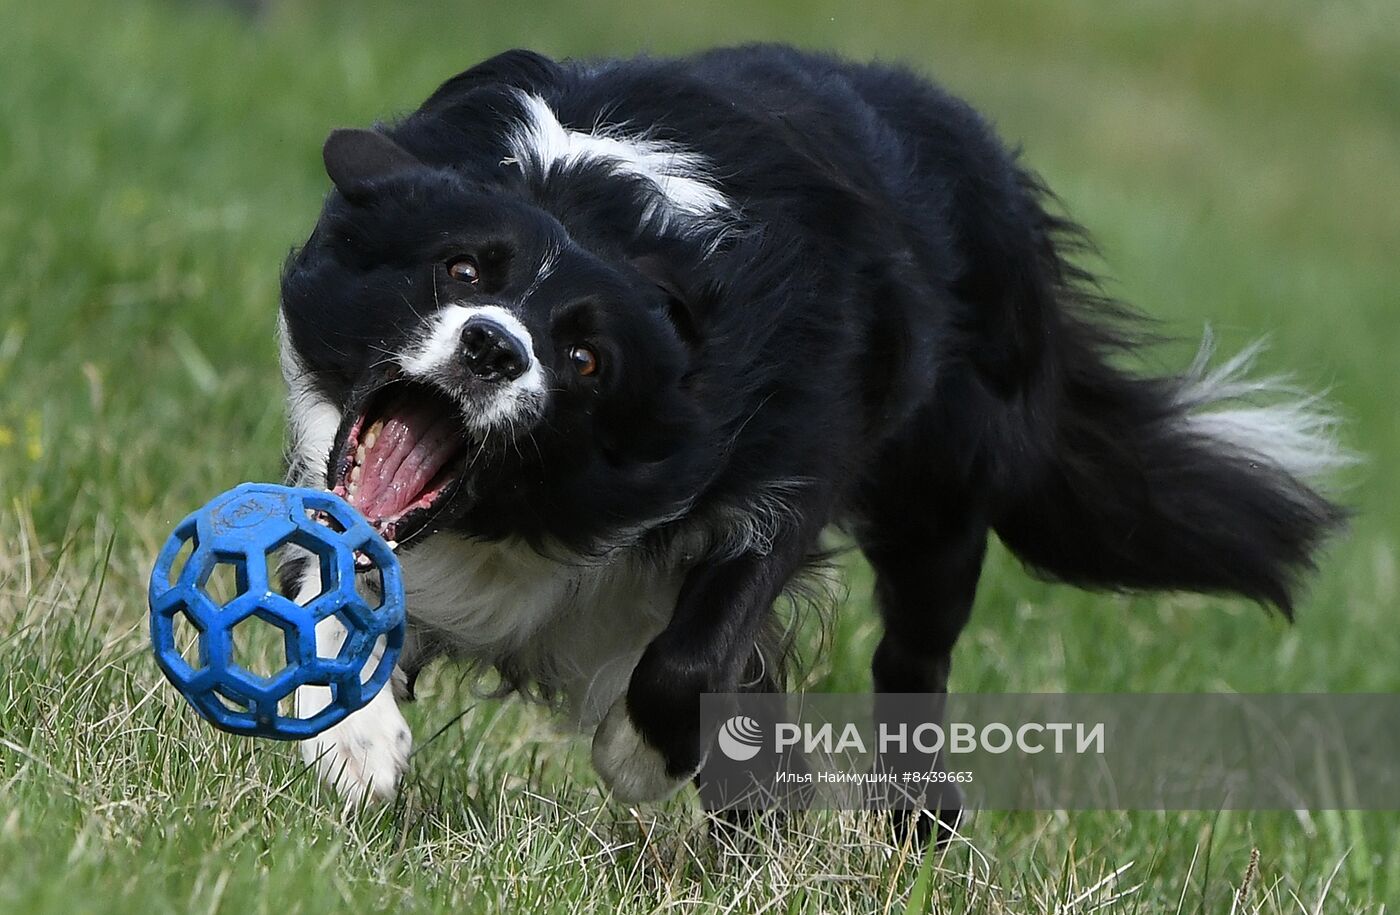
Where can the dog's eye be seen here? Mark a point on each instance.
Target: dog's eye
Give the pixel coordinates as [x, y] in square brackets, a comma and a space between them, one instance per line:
[584, 360]
[463, 270]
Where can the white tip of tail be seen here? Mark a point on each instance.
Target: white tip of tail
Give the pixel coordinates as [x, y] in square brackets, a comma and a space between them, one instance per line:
[1267, 418]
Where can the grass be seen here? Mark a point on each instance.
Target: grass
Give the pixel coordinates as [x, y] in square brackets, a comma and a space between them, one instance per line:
[1237, 162]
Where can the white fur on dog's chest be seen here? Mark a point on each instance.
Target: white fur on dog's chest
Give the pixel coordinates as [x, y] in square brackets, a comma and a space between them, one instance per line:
[576, 628]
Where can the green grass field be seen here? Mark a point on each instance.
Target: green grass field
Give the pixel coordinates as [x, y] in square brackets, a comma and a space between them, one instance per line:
[1238, 162]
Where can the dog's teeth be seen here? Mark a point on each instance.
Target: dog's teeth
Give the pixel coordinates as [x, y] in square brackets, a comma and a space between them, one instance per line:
[355, 474]
[393, 544]
[360, 455]
[369, 443]
[352, 488]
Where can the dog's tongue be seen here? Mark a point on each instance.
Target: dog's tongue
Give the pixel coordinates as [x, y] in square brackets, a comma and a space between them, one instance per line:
[403, 452]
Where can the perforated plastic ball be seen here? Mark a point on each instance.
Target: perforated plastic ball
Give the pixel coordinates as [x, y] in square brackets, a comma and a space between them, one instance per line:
[244, 528]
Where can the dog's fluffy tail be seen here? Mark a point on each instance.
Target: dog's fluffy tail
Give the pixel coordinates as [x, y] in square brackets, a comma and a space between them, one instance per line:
[1204, 481]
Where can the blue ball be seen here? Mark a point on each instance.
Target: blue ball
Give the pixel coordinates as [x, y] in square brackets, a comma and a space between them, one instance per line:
[243, 528]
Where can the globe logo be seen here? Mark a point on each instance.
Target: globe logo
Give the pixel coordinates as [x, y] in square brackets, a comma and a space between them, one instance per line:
[248, 512]
[740, 738]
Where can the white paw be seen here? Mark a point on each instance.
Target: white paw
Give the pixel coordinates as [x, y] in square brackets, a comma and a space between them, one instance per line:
[632, 768]
[364, 756]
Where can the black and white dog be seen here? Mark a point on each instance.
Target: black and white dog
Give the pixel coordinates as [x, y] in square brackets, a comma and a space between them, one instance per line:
[606, 346]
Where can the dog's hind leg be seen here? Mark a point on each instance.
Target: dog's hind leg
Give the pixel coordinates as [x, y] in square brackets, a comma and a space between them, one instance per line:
[925, 537]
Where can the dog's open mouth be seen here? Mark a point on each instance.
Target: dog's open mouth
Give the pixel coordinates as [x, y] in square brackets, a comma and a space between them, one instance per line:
[401, 458]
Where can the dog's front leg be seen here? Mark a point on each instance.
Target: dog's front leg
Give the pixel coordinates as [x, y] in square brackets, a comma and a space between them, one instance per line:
[364, 755]
[650, 742]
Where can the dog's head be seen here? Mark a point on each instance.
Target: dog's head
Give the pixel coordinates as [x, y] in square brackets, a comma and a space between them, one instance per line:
[458, 359]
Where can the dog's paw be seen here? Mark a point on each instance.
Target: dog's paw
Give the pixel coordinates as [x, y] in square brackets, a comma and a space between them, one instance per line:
[364, 756]
[634, 769]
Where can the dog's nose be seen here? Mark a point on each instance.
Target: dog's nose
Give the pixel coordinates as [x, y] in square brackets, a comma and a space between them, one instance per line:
[492, 352]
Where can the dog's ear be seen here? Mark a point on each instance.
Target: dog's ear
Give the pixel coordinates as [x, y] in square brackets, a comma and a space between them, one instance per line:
[356, 160]
[683, 305]
[517, 69]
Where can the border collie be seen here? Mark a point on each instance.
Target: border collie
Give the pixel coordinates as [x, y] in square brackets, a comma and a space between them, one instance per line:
[606, 346]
